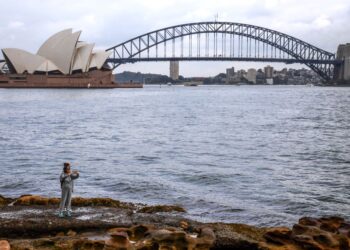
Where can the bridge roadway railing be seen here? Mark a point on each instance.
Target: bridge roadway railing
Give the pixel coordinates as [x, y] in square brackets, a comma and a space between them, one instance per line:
[247, 59]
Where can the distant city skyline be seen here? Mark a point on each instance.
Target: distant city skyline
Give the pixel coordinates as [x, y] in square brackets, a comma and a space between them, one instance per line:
[321, 23]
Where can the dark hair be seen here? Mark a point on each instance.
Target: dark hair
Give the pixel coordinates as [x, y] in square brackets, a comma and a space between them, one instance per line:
[65, 166]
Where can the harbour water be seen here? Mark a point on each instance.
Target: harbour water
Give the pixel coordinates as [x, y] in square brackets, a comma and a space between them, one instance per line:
[260, 155]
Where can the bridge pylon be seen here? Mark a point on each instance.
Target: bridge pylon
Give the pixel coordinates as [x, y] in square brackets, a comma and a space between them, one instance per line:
[342, 71]
[174, 70]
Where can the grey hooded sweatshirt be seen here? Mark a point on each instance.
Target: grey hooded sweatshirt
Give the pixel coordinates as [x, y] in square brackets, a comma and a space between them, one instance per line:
[67, 181]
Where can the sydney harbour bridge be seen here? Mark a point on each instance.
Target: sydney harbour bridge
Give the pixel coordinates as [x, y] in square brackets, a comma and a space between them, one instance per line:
[224, 41]
[228, 41]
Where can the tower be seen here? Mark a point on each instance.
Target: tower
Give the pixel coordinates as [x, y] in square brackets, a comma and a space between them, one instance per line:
[174, 70]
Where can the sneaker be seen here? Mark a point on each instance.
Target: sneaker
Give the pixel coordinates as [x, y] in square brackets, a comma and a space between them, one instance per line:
[69, 213]
[61, 214]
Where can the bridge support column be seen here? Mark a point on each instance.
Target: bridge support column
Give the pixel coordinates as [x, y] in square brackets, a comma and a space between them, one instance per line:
[174, 70]
[342, 72]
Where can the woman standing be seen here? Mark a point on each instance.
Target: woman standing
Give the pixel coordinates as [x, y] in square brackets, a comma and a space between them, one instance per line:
[67, 185]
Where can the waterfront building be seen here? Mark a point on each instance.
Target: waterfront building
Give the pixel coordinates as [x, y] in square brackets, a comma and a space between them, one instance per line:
[174, 70]
[251, 75]
[62, 61]
[269, 81]
[241, 73]
[230, 75]
[268, 72]
[62, 53]
[260, 77]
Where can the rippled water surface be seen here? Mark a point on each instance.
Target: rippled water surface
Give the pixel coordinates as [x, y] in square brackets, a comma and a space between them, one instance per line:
[263, 155]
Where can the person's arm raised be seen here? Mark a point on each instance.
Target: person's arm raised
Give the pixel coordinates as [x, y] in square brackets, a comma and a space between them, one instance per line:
[74, 175]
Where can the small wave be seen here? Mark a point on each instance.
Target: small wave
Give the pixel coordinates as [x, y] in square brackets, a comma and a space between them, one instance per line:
[96, 159]
[4, 139]
[231, 210]
[147, 159]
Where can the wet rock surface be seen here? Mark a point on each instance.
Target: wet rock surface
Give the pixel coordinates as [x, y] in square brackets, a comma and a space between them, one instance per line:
[31, 222]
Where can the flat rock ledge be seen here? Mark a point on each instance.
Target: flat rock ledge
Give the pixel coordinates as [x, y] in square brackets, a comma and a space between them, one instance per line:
[30, 222]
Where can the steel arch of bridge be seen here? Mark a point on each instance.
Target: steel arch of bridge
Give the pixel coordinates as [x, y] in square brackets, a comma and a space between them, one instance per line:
[297, 51]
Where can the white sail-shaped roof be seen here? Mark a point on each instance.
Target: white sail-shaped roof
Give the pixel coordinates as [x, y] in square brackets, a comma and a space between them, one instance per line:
[24, 61]
[60, 49]
[61, 52]
[82, 56]
[52, 42]
[98, 59]
[18, 59]
[47, 66]
[81, 44]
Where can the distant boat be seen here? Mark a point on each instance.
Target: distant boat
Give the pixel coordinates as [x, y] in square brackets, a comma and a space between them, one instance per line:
[192, 84]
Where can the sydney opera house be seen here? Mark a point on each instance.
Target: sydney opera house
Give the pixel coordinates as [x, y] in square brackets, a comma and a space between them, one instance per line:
[62, 61]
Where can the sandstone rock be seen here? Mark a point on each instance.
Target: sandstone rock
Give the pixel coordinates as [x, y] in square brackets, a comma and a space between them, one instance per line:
[60, 234]
[168, 232]
[308, 221]
[326, 240]
[85, 244]
[184, 225]
[54, 201]
[167, 239]
[205, 240]
[106, 202]
[64, 243]
[313, 234]
[148, 237]
[344, 229]
[306, 242]
[344, 243]
[26, 200]
[237, 236]
[43, 243]
[117, 229]
[162, 208]
[71, 233]
[4, 245]
[331, 224]
[280, 235]
[67, 243]
[118, 240]
[5, 201]
[22, 245]
[139, 231]
[309, 230]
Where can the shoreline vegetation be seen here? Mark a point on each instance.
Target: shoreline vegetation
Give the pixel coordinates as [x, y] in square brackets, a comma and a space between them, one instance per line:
[31, 222]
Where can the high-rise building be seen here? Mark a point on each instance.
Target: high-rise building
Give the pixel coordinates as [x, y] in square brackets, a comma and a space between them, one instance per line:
[174, 70]
[230, 74]
[241, 73]
[251, 75]
[268, 72]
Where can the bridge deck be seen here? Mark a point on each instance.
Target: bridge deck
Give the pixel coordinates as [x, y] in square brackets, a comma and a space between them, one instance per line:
[280, 60]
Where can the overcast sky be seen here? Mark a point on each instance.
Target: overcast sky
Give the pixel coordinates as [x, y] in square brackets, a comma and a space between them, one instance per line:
[26, 24]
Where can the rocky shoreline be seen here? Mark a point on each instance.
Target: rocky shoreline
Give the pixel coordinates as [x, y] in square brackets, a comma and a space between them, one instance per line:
[31, 222]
